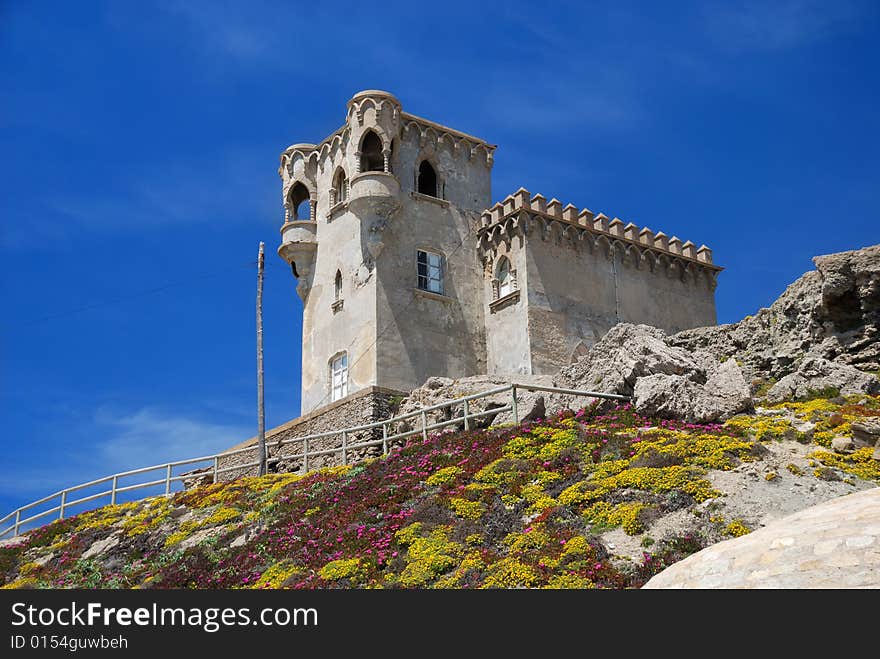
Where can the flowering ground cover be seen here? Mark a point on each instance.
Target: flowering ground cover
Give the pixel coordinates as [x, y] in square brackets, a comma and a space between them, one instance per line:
[508, 507]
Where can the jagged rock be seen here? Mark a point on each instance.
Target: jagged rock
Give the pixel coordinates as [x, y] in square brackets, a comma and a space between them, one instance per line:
[625, 354]
[805, 429]
[666, 396]
[816, 374]
[726, 393]
[101, 546]
[832, 312]
[842, 444]
[538, 411]
[674, 396]
[866, 432]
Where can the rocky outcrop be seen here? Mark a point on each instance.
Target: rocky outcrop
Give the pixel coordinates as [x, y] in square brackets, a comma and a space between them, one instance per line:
[832, 312]
[816, 375]
[629, 352]
[724, 394]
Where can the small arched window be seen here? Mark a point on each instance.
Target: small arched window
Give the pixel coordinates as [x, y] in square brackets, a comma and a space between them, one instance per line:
[504, 277]
[340, 187]
[372, 159]
[337, 286]
[300, 203]
[427, 182]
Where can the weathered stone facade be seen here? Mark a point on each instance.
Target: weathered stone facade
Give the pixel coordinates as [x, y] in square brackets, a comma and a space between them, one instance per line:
[360, 408]
[524, 287]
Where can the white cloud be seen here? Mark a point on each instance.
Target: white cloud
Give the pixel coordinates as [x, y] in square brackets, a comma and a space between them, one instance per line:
[127, 440]
[150, 436]
[776, 25]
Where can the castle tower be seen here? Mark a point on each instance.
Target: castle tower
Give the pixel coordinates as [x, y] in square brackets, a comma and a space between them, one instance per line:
[380, 228]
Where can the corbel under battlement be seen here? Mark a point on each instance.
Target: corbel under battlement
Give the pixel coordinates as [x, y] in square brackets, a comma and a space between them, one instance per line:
[516, 211]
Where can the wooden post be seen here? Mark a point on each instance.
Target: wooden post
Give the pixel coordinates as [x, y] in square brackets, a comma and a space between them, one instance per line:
[424, 427]
[305, 466]
[513, 403]
[467, 425]
[168, 480]
[216, 468]
[61, 507]
[384, 439]
[261, 413]
[17, 522]
[344, 447]
[113, 490]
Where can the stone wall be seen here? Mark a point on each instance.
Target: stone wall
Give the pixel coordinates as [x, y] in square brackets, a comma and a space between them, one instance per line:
[577, 275]
[360, 408]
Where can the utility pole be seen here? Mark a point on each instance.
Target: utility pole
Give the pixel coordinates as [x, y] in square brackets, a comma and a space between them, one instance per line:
[261, 412]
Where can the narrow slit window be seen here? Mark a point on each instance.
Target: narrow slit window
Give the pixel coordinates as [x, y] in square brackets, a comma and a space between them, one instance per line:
[430, 271]
[337, 286]
[339, 376]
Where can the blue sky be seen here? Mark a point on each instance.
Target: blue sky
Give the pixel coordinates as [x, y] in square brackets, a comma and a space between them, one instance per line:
[141, 144]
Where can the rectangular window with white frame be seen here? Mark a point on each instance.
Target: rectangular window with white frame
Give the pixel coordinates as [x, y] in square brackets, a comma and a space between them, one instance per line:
[430, 271]
[339, 376]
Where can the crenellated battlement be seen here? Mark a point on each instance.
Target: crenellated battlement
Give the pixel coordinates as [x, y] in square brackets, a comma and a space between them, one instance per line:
[520, 211]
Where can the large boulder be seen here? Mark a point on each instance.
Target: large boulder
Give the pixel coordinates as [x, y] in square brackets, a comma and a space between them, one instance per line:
[724, 394]
[625, 354]
[817, 375]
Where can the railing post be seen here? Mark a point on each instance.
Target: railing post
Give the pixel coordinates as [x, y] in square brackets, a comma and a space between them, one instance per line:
[384, 439]
[467, 424]
[513, 403]
[61, 507]
[424, 426]
[306, 455]
[216, 473]
[344, 447]
[17, 522]
[168, 480]
[113, 490]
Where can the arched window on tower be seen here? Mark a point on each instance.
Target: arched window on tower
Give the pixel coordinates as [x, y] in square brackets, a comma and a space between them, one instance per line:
[300, 203]
[427, 182]
[372, 159]
[505, 286]
[504, 282]
[340, 187]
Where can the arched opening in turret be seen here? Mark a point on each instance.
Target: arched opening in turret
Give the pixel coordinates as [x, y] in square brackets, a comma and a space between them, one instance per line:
[337, 286]
[427, 182]
[300, 203]
[372, 159]
[340, 187]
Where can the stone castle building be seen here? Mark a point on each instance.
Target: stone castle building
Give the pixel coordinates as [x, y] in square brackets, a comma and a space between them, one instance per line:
[406, 270]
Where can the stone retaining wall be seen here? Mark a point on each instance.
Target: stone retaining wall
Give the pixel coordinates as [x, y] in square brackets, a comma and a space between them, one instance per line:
[360, 408]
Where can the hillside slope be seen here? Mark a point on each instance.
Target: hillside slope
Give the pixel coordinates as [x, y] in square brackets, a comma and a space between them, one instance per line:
[585, 499]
